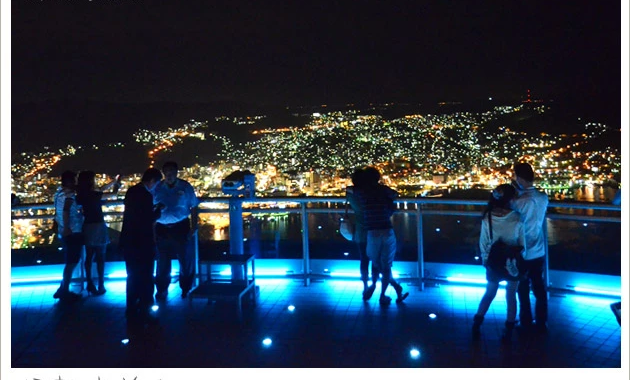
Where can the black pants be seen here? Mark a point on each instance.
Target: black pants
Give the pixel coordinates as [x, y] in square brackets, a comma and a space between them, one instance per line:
[139, 282]
[364, 265]
[534, 270]
[172, 241]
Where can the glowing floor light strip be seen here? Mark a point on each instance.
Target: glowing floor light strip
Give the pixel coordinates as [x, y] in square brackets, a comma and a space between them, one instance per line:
[467, 280]
[343, 274]
[259, 272]
[28, 280]
[355, 274]
[281, 272]
[581, 289]
[118, 274]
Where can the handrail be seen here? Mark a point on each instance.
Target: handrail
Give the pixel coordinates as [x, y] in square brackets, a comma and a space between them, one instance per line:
[421, 209]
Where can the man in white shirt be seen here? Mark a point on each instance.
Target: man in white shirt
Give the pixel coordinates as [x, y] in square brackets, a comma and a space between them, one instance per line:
[532, 205]
[174, 230]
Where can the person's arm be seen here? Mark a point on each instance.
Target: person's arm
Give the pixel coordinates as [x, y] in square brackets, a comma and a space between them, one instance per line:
[194, 212]
[485, 242]
[524, 206]
[67, 205]
[115, 185]
[194, 220]
[521, 239]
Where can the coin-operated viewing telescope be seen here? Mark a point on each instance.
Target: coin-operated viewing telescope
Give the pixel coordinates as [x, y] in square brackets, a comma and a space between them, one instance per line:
[240, 183]
[241, 186]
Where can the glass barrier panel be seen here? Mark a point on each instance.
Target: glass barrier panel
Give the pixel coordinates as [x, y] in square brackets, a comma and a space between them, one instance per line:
[583, 246]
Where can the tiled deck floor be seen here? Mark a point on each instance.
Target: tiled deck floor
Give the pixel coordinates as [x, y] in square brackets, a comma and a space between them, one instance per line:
[330, 327]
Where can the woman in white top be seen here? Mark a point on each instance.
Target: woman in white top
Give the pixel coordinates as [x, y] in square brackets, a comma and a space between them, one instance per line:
[502, 243]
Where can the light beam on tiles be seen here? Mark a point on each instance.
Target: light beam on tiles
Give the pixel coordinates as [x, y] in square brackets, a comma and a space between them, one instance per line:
[344, 274]
[30, 280]
[272, 281]
[270, 272]
[580, 301]
[467, 280]
[117, 274]
[603, 292]
[353, 274]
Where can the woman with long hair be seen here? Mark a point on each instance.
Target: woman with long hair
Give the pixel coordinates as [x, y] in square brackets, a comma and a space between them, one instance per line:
[502, 243]
[91, 197]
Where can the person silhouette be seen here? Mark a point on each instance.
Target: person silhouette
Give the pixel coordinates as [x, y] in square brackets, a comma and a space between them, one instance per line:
[500, 226]
[90, 197]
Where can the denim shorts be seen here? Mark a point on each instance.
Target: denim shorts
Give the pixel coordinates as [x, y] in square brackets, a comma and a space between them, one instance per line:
[381, 246]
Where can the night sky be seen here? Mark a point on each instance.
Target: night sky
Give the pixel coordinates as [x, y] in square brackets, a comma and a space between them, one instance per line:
[294, 52]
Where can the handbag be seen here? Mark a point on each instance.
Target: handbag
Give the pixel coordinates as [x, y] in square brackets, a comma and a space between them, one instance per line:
[499, 253]
[346, 226]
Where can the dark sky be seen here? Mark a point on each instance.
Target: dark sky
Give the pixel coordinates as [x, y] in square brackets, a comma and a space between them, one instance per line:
[314, 52]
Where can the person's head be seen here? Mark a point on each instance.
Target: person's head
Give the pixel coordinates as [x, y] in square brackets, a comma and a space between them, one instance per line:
[170, 172]
[501, 197]
[371, 175]
[69, 179]
[86, 180]
[523, 175]
[358, 177]
[151, 177]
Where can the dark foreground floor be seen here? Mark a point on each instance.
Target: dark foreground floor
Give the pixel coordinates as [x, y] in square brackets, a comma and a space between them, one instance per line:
[330, 327]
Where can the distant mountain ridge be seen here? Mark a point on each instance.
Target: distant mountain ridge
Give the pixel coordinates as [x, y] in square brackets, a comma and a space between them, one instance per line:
[62, 122]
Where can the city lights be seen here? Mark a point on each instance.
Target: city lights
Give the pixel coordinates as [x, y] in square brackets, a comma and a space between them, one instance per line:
[418, 155]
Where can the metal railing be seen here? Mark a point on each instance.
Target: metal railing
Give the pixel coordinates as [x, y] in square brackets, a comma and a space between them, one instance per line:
[420, 207]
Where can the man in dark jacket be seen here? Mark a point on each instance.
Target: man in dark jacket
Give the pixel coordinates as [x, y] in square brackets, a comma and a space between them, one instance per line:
[137, 242]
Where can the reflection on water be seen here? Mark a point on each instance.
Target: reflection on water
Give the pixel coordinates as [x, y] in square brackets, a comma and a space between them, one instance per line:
[590, 193]
[573, 246]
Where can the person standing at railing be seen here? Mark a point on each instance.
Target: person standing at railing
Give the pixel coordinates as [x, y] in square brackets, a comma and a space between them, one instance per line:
[175, 230]
[503, 225]
[532, 205]
[137, 243]
[91, 197]
[69, 219]
[378, 202]
[360, 233]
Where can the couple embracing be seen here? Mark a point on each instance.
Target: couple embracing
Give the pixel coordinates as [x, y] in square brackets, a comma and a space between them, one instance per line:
[512, 246]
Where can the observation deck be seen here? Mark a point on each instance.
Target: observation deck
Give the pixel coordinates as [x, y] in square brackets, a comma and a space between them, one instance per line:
[315, 271]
